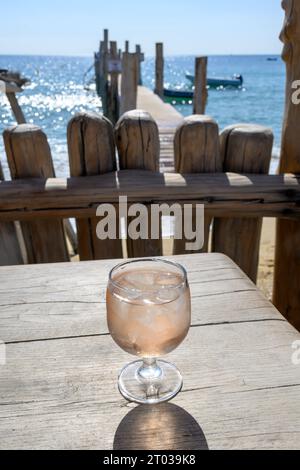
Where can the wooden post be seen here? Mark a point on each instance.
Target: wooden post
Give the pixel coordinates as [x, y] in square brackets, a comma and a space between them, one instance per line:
[196, 150]
[286, 292]
[113, 108]
[159, 70]
[137, 139]
[16, 109]
[128, 83]
[245, 148]
[105, 37]
[103, 71]
[10, 252]
[97, 67]
[28, 155]
[92, 152]
[200, 91]
[10, 89]
[139, 61]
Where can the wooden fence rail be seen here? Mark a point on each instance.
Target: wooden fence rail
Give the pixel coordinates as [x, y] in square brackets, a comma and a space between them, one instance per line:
[224, 194]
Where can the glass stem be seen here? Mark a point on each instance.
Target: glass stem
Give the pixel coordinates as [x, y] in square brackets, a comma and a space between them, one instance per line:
[150, 370]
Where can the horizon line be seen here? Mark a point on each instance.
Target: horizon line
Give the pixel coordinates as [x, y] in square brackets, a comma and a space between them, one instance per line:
[147, 56]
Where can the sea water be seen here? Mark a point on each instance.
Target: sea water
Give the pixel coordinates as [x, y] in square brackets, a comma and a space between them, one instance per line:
[57, 92]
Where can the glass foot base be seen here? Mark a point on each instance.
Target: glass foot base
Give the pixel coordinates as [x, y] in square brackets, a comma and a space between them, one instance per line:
[149, 386]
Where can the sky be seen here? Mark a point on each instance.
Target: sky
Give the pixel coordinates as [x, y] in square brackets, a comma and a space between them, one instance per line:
[65, 27]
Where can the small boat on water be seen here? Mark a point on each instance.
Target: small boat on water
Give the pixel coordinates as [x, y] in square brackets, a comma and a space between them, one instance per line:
[234, 82]
[181, 96]
[178, 96]
[272, 59]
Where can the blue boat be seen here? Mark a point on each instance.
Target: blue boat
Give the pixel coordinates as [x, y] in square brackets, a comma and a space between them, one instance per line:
[178, 96]
[235, 82]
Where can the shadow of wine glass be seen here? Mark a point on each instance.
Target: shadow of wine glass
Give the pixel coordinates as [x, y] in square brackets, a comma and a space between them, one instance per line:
[153, 427]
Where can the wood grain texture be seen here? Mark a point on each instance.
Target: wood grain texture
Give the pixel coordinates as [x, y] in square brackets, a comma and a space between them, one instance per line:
[232, 194]
[159, 69]
[236, 365]
[200, 91]
[196, 150]
[245, 148]
[217, 285]
[129, 83]
[137, 139]
[286, 291]
[28, 156]
[92, 152]
[10, 252]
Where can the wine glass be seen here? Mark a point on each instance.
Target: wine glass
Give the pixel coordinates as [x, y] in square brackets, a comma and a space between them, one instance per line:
[148, 315]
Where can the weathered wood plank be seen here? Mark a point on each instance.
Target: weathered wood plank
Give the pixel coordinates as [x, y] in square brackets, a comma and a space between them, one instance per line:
[286, 291]
[262, 195]
[159, 69]
[66, 393]
[200, 92]
[245, 148]
[139, 60]
[29, 156]
[237, 375]
[196, 150]
[92, 152]
[15, 107]
[38, 303]
[10, 252]
[113, 105]
[129, 83]
[137, 139]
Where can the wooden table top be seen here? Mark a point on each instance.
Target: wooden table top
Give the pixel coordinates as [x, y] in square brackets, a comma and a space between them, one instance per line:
[58, 388]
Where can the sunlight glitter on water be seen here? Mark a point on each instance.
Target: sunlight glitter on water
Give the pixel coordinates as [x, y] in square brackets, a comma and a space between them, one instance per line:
[57, 92]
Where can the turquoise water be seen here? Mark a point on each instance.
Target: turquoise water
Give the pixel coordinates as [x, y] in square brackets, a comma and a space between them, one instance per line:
[57, 92]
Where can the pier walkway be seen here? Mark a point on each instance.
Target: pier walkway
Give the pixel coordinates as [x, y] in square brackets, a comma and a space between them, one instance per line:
[167, 119]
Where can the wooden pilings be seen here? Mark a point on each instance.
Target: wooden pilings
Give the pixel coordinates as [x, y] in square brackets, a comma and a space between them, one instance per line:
[92, 152]
[137, 140]
[200, 91]
[139, 59]
[113, 105]
[245, 148]
[10, 252]
[110, 64]
[16, 108]
[197, 150]
[286, 292]
[29, 156]
[159, 69]
[129, 82]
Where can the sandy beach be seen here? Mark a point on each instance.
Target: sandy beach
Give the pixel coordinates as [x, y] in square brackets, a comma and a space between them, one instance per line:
[266, 261]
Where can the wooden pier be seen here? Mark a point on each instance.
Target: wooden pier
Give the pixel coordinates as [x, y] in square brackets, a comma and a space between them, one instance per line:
[119, 79]
[167, 119]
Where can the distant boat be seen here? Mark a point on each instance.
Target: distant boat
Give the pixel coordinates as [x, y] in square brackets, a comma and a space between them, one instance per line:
[234, 82]
[178, 96]
[272, 59]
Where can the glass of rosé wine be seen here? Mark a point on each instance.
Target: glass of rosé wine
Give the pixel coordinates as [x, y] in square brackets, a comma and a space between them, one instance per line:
[148, 315]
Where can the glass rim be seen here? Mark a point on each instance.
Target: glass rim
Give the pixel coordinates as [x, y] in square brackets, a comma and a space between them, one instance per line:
[155, 260]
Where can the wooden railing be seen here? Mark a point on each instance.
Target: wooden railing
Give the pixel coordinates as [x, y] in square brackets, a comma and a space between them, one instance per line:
[107, 162]
[223, 194]
[229, 175]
